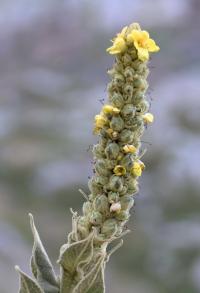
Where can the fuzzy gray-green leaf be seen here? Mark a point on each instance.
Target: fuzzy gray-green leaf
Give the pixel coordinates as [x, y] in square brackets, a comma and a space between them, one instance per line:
[40, 264]
[72, 258]
[93, 282]
[27, 284]
[75, 254]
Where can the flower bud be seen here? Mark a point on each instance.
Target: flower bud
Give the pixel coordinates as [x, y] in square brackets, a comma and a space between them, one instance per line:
[115, 207]
[83, 226]
[112, 134]
[94, 187]
[136, 170]
[101, 167]
[115, 183]
[128, 111]
[139, 82]
[123, 191]
[129, 74]
[87, 208]
[126, 136]
[101, 180]
[127, 161]
[109, 227]
[112, 150]
[101, 204]
[128, 93]
[148, 118]
[96, 218]
[113, 197]
[131, 183]
[116, 99]
[126, 202]
[138, 97]
[118, 80]
[126, 58]
[142, 107]
[98, 151]
[117, 123]
[109, 109]
[129, 148]
[122, 215]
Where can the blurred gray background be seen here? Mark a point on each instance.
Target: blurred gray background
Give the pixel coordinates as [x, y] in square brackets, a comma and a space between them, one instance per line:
[52, 74]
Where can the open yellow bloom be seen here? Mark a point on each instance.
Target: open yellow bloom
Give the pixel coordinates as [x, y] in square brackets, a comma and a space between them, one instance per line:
[148, 118]
[119, 43]
[136, 170]
[108, 109]
[119, 170]
[142, 43]
[129, 148]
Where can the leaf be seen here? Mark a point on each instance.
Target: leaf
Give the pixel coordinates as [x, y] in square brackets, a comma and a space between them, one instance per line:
[41, 266]
[93, 282]
[27, 284]
[72, 258]
[76, 254]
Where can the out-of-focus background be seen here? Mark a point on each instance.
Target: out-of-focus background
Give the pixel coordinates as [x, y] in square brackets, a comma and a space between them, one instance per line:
[52, 74]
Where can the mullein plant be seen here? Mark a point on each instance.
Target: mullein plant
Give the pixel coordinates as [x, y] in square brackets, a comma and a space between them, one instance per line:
[117, 168]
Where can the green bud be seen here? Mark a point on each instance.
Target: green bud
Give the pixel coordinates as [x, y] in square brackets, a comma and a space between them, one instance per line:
[142, 107]
[113, 197]
[134, 123]
[127, 60]
[128, 93]
[123, 191]
[126, 136]
[136, 64]
[127, 161]
[96, 218]
[128, 111]
[138, 97]
[109, 227]
[83, 226]
[101, 204]
[101, 180]
[87, 208]
[127, 202]
[112, 150]
[131, 183]
[122, 215]
[95, 188]
[118, 80]
[117, 123]
[98, 151]
[129, 74]
[116, 183]
[116, 99]
[101, 167]
[139, 82]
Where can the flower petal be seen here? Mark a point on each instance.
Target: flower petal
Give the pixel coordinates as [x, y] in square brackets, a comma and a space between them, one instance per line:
[151, 46]
[143, 54]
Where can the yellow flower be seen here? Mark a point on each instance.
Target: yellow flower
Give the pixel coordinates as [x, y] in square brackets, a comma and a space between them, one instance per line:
[129, 148]
[119, 43]
[119, 170]
[100, 121]
[142, 43]
[136, 170]
[148, 118]
[108, 109]
[142, 165]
